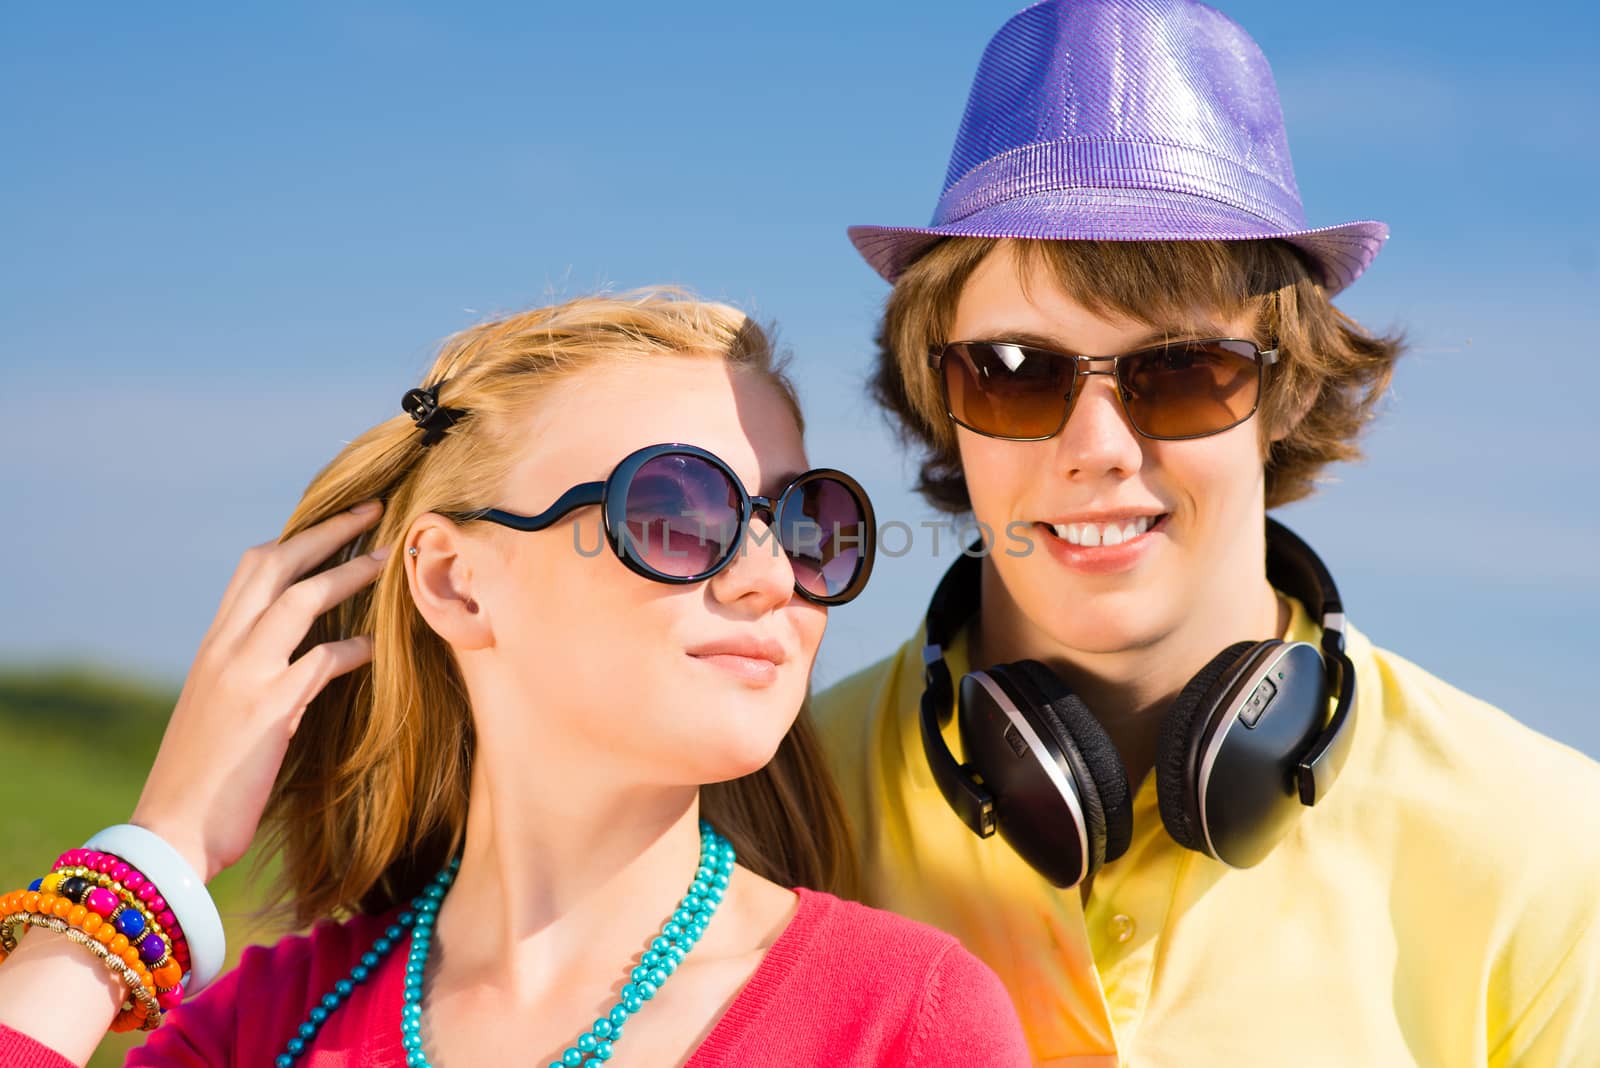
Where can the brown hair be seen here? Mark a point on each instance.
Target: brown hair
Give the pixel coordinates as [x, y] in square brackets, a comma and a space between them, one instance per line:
[372, 796]
[1322, 392]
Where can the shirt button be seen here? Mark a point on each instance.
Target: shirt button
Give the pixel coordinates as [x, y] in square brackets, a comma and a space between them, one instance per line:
[1122, 927]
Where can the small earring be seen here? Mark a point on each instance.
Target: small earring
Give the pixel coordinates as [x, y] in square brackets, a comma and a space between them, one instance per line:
[412, 551]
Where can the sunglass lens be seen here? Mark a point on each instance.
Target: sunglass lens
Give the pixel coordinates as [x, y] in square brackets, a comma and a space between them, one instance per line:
[682, 515]
[1007, 390]
[823, 526]
[1190, 389]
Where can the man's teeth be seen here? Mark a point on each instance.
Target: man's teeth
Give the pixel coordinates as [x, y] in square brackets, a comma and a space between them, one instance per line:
[1091, 535]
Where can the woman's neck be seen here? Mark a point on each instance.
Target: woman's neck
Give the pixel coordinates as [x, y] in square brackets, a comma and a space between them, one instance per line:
[561, 873]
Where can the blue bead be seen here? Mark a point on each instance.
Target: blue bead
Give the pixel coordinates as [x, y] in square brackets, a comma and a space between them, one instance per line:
[382, 945]
[651, 957]
[330, 1001]
[359, 973]
[571, 1058]
[720, 881]
[407, 918]
[370, 959]
[639, 973]
[602, 1051]
[632, 1003]
[601, 1028]
[586, 1043]
[130, 923]
[343, 988]
[318, 1014]
[411, 1040]
[660, 944]
[283, 1061]
[683, 916]
[628, 990]
[618, 1016]
[436, 892]
[308, 1030]
[415, 1059]
[295, 1046]
[393, 932]
[647, 990]
[675, 954]
[658, 976]
[36, 884]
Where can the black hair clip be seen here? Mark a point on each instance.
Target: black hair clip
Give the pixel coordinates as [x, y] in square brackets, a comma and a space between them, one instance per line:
[423, 407]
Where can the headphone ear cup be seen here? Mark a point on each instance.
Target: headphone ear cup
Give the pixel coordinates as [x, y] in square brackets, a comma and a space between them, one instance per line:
[1175, 749]
[1090, 749]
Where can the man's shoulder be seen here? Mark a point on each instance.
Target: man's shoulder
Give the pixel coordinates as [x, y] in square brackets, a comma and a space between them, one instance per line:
[1453, 731]
[1466, 769]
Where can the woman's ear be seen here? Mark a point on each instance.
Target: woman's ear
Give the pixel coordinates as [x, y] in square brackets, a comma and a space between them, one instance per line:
[439, 569]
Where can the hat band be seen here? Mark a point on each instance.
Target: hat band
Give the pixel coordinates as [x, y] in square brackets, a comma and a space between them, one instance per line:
[1105, 163]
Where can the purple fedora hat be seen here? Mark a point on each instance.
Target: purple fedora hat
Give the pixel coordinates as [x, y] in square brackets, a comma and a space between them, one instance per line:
[1124, 120]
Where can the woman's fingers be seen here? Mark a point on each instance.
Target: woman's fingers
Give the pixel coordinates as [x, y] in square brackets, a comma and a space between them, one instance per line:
[266, 570]
[285, 623]
[317, 667]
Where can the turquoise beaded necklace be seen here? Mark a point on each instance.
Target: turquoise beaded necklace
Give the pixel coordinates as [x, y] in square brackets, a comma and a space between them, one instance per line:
[667, 950]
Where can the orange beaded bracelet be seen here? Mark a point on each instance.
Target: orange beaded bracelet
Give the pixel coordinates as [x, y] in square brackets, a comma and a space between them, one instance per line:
[143, 1011]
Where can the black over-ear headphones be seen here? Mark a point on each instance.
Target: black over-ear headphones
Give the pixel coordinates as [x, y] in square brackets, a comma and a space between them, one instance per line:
[1249, 732]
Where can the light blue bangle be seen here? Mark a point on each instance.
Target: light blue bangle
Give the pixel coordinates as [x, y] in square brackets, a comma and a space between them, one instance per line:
[185, 892]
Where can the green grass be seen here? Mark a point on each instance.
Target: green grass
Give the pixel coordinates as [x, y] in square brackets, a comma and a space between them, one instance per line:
[75, 747]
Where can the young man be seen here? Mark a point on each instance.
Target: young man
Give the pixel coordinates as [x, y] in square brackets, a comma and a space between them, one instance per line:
[1115, 349]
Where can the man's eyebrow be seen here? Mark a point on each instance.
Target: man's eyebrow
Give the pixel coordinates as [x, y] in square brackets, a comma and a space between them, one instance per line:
[1155, 337]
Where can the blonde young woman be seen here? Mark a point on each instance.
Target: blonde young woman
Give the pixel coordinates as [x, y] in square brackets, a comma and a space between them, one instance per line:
[476, 693]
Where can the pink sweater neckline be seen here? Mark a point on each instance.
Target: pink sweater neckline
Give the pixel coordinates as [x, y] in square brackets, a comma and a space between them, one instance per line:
[784, 955]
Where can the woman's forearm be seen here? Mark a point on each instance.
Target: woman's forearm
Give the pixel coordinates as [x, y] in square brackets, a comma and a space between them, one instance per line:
[58, 993]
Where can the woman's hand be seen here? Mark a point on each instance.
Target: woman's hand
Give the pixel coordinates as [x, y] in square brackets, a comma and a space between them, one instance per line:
[244, 697]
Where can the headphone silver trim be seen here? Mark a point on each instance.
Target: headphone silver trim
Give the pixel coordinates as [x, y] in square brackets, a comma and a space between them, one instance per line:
[1235, 692]
[1036, 747]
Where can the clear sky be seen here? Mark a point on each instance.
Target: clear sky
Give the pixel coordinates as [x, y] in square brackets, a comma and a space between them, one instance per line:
[230, 238]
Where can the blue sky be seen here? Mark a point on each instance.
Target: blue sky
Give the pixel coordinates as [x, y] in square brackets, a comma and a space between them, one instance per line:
[230, 239]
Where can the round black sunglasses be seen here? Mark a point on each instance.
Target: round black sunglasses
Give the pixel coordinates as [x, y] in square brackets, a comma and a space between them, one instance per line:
[678, 514]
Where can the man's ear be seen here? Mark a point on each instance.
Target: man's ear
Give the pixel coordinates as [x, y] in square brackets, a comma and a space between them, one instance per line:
[1292, 413]
[439, 570]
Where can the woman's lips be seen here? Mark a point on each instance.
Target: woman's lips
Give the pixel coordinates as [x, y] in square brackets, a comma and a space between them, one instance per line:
[1102, 559]
[751, 669]
[749, 659]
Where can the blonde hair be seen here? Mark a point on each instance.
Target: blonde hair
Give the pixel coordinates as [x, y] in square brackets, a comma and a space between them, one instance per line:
[372, 797]
[1321, 394]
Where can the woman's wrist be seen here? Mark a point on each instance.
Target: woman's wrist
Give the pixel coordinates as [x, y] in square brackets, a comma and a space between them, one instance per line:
[186, 843]
[161, 863]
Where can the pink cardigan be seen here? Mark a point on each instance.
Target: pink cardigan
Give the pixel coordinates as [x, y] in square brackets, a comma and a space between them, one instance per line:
[844, 986]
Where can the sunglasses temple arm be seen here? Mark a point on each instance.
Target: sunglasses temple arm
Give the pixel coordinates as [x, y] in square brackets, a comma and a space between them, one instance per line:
[581, 496]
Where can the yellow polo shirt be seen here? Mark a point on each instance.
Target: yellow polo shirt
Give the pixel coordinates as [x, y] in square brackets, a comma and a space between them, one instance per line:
[1439, 907]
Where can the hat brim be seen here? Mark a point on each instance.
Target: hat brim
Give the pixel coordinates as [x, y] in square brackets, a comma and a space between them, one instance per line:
[1340, 253]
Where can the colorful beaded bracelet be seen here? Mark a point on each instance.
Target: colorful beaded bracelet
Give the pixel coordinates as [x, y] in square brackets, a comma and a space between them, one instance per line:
[149, 897]
[143, 1012]
[90, 908]
[141, 922]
